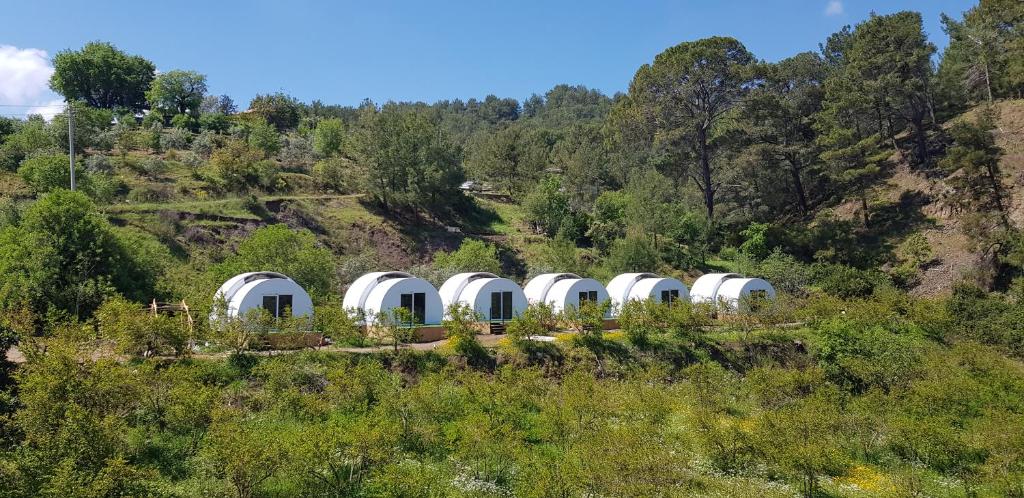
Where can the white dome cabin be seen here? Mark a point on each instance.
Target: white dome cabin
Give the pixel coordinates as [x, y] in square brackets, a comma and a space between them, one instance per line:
[494, 299]
[705, 288]
[641, 286]
[742, 294]
[381, 292]
[272, 291]
[564, 290]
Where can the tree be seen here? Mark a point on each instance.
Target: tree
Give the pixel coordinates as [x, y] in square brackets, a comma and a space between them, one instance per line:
[279, 248]
[407, 160]
[138, 332]
[977, 179]
[245, 452]
[511, 158]
[46, 173]
[264, 137]
[177, 92]
[779, 112]
[29, 136]
[547, 209]
[65, 258]
[472, 255]
[280, 110]
[102, 76]
[329, 137]
[884, 81]
[982, 61]
[214, 104]
[678, 102]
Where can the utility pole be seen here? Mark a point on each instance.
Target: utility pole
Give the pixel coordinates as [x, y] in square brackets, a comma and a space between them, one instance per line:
[71, 142]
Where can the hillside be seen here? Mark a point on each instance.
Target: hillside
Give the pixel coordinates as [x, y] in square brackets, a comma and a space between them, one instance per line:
[921, 202]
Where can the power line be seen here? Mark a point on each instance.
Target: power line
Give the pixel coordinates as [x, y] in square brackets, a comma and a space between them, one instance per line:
[31, 105]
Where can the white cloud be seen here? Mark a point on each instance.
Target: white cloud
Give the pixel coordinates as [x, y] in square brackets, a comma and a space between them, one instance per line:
[24, 80]
[47, 109]
[834, 8]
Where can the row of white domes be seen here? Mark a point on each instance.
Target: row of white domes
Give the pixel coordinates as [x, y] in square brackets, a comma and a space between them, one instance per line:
[492, 297]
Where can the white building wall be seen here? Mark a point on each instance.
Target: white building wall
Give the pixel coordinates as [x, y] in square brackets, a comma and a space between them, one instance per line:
[478, 295]
[705, 288]
[733, 292]
[565, 293]
[387, 295]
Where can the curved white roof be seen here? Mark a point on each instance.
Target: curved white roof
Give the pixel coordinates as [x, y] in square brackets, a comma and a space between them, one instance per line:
[475, 289]
[387, 295]
[620, 286]
[355, 296]
[452, 288]
[380, 292]
[564, 293]
[233, 284]
[651, 288]
[705, 288]
[246, 291]
[733, 292]
[537, 288]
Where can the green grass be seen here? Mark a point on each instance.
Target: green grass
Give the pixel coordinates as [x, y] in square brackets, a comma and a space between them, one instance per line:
[510, 216]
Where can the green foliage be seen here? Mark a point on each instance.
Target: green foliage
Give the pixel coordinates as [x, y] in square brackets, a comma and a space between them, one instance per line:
[755, 240]
[279, 248]
[632, 254]
[547, 208]
[177, 92]
[240, 167]
[279, 110]
[472, 255]
[264, 137]
[511, 159]
[64, 258]
[102, 76]
[460, 326]
[846, 282]
[29, 137]
[675, 106]
[977, 179]
[333, 173]
[47, 173]
[329, 137]
[407, 161]
[137, 332]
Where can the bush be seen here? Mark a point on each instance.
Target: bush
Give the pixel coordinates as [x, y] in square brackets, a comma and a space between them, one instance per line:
[329, 137]
[137, 332]
[846, 282]
[204, 143]
[175, 138]
[332, 174]
[46, 173]
[632, 254]
[265, 138]
[472, 255]
[98, 163]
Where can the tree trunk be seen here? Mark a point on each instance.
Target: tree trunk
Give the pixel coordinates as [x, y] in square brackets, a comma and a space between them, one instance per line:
[864, 205]
[997, 192]
[921, 139]
[705, 170]
[798, 185]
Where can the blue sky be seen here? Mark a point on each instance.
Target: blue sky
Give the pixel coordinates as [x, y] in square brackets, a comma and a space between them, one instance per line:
[341, 52]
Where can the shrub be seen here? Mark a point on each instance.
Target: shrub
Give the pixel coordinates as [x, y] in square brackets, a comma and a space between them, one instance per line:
[204, 143]
[844, 281]
[175, 138]
[472, 255]
[46, 173]
[332, 173]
